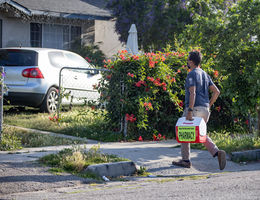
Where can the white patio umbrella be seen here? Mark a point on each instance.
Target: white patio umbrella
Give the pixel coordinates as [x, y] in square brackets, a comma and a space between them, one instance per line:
[132, 43]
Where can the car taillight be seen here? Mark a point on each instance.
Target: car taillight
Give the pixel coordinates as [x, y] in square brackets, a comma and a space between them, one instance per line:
[32, 73]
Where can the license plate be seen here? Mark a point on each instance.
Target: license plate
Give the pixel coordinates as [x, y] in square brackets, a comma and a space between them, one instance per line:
[186, 134]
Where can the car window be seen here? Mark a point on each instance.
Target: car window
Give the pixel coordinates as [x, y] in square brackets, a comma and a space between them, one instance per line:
[18, 57]
[75, 60]
[57, 59]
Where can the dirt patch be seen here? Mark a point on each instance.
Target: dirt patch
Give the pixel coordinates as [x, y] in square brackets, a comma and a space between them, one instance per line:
[31, 176]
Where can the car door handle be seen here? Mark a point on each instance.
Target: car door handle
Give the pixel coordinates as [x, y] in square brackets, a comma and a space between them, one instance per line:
[75, 77]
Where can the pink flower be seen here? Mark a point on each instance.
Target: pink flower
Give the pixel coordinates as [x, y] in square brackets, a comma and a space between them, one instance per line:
[151, 64]
[163, 58]
[135, 57]
[140, 139]
[181, 104]
[150, 78]
[155, 137]
[138, 84]
[130, 118]
[122, 57]
[131, 75]
[147, 105]
[216, 73]
[157, 83]
[88, 59]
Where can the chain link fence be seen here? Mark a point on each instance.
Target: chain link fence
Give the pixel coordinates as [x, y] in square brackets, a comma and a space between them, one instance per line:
[78, 86]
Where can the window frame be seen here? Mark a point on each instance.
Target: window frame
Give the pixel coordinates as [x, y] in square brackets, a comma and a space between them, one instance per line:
[70, 32]
[35, 32]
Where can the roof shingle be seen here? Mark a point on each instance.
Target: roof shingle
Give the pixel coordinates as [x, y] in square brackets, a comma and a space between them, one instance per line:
[81, 7]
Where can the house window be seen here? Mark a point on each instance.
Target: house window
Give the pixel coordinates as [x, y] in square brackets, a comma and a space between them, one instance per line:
[36, 35]
[0, 33]
[75, 37]
[55, 36]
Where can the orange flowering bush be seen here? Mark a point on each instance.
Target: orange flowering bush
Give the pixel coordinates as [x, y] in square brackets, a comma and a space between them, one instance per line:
[147, 91]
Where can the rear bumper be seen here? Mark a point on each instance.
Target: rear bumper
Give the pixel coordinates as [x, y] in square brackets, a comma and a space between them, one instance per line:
[24, 99]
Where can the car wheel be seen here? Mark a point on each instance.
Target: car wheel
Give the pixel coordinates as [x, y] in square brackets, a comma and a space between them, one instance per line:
[50, 102]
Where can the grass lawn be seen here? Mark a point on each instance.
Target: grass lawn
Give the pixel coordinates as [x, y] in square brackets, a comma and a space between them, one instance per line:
[232, 142]
[14, 139]
[91, 124]
[80, 122]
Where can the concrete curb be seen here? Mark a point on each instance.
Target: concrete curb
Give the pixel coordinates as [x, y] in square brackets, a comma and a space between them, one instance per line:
[250, 155]
[124, 168]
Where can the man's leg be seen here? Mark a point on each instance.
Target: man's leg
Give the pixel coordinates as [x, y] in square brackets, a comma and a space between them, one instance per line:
[211, 147]
[185, 152]
[209, 144]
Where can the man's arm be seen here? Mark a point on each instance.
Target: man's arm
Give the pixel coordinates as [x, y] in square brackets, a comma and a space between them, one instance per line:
[192, 91]
[213, 88]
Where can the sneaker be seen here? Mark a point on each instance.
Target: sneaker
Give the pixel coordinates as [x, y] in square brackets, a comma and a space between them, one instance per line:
[221, 159]
[182, 163]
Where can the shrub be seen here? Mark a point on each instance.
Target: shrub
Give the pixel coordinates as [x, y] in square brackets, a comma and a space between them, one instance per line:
[148, 91]
[91, 53]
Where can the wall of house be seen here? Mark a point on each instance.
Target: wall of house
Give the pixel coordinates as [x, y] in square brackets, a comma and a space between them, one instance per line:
[107, 38]
[15, 32]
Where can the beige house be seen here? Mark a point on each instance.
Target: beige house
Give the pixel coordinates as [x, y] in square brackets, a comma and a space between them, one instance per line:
[57, 24]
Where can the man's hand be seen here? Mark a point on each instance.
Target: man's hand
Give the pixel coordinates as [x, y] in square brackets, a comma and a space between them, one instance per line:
[189, 116]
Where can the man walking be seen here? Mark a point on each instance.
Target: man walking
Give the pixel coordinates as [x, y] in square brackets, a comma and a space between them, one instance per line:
[198, 104]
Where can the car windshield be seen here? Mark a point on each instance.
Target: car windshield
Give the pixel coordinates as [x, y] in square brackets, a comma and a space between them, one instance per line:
[17, 57]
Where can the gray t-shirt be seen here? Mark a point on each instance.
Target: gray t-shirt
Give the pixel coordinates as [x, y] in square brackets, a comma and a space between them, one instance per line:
[201, 80]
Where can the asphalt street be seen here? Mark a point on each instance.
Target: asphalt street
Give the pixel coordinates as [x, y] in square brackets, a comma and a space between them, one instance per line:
[235, 185]
[21, 177]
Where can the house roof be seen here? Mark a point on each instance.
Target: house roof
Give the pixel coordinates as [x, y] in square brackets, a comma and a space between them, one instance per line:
[75, 9]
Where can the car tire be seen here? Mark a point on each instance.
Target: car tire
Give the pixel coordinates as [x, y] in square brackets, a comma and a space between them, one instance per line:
[50, 102]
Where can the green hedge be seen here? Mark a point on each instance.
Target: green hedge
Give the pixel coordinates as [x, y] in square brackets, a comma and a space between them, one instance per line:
[148, 90]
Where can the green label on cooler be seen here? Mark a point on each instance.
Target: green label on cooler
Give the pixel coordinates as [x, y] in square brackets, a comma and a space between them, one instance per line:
[187, 133]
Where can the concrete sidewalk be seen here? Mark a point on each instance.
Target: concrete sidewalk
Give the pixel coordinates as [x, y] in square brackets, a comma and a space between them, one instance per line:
[155, 156]
[20, 173]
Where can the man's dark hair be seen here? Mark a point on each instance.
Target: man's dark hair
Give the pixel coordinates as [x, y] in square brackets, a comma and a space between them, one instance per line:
[196, 57]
